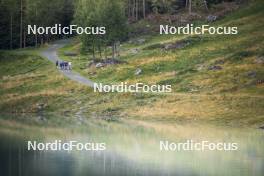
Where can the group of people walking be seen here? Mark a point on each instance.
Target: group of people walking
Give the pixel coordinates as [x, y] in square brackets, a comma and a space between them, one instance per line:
[64, 65]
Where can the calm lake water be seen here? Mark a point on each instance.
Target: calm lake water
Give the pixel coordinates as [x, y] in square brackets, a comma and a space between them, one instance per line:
[133, 148]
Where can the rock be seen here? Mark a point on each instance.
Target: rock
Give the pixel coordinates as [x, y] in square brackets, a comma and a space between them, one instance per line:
[103, 63]
[138, 71]
[183, 21]
[140, 41]
[211, 18]
[134, 51]
[41, 118]
[110, 61]
[99, 65]
[200, 67]
[215, 67]
[177, 45]
[259, 60]
[68, 53]
[41, 106]
[252, 74]
[168, 46]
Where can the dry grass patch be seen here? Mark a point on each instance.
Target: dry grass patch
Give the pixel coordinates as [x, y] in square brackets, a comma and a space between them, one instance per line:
[185, 106]
[150, 60]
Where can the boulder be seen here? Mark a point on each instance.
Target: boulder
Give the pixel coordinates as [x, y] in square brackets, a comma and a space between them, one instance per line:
[211, 18]
[138, 71]
[177, 45]
[200, 67]
[168, 46]
[41, 106]
[252, 74]
[99, 65]
[111, 61]
[215, 67]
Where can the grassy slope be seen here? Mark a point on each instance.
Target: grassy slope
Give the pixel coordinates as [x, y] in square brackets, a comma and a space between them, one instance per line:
[31, 84]
[226, 96]
[28, 81]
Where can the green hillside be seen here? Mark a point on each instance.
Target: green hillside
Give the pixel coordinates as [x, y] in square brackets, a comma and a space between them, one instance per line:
[215, 78]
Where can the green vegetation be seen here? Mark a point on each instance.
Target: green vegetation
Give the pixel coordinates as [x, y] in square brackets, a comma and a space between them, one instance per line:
[30, 84]
[15, 15]
[98, 13]
[215, 78]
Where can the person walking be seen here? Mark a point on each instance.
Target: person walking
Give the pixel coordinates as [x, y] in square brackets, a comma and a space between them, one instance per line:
[70, 65]
[61, 65]
[57, 64]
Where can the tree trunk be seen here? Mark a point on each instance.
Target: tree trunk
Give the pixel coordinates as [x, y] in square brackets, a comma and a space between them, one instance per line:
[11, 31]
[105, 52]
[21, 23]
[128, 9]
[36, 40]
[118, 49]
[113, 51]
[133, 9]
[24, 41]
[144, 8]
[190, 6]
[136, 10]
[100, 51]
[93, 50]
[205, 4]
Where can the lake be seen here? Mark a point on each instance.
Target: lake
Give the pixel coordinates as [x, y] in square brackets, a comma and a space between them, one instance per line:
[132, 148]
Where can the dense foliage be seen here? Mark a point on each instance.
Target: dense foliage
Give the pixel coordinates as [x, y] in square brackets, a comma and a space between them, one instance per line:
[15, 15]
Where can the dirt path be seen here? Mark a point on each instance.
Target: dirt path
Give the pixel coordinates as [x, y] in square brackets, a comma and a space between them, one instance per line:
[51, 54]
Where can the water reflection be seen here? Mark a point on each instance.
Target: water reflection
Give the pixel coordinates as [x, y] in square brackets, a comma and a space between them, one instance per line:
[132, 149]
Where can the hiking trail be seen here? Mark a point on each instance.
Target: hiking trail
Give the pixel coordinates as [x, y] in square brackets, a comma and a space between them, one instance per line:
[51, 54]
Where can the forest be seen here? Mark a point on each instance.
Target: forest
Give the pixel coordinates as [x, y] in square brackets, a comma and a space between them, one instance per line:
[116, 16]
